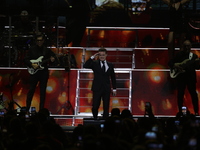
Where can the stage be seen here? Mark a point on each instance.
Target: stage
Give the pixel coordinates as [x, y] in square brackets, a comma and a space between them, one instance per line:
[69, 95]
[140, 58]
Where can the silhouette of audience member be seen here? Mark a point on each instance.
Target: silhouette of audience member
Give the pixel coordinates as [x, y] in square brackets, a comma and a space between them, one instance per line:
[19, 133]
[139, 147]
[115, 112]
[43, 147]
[15, 134]
[77, 136]
[31, 130]
[112, 126]
[146, 133]
[129, 130]
[126, 113]
[148, 110]
[171, 130]
[47, 136]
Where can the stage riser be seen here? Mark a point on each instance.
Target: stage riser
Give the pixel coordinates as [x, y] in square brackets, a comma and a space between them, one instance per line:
[153, 85]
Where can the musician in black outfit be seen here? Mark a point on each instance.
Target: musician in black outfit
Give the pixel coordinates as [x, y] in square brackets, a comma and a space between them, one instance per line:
[101, 87]
[187, 76]
[24, 25]
[39, 74]
[177, 23]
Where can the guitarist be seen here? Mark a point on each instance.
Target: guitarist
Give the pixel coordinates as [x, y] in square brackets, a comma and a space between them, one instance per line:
[42, 75]
[187, 77]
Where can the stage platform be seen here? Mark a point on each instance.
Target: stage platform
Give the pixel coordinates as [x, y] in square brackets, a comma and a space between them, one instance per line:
[142, 76]
[88, 119]
[69, 94]
[99, 123]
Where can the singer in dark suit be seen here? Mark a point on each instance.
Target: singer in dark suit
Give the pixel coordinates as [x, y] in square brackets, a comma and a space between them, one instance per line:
[101, 87]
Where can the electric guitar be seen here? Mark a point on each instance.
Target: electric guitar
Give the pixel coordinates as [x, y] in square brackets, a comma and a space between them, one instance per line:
[36, 61]
[174, 72]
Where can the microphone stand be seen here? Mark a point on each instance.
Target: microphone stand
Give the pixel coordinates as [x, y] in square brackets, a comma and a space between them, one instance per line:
[12, 102]
[67, 65]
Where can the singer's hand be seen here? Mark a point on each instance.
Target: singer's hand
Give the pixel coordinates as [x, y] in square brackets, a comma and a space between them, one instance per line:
[114, 92]
[96, 55]
[93, 56]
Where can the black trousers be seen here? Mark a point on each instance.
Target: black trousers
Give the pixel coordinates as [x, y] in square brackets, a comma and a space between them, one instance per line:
[191, 86]
[41, 77]
[97, 97]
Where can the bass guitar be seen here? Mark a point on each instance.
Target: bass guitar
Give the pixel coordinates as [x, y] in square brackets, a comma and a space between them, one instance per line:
[38, 61]
[174, 72]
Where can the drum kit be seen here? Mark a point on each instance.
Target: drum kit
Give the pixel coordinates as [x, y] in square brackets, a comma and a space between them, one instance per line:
[13, 48]
[15, 42]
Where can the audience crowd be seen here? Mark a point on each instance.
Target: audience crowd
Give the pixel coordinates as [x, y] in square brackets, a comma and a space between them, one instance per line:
[120, 131]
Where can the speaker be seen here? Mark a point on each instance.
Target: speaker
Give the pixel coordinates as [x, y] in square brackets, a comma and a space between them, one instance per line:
[99, 123]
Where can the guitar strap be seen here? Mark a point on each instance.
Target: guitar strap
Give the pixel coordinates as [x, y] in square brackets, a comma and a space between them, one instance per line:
[190, 55]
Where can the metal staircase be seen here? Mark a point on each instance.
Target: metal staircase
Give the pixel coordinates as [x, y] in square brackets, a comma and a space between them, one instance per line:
[123, 70]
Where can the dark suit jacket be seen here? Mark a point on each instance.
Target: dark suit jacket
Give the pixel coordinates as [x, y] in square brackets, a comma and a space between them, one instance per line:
[101, 79]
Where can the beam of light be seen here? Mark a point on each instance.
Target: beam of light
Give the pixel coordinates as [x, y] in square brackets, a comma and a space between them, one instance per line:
[52, 86]
[156, 76]
[166, 104]
[141, 105]
[62, 97]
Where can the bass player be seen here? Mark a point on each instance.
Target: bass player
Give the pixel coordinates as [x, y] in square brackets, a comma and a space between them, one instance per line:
[187, 75]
